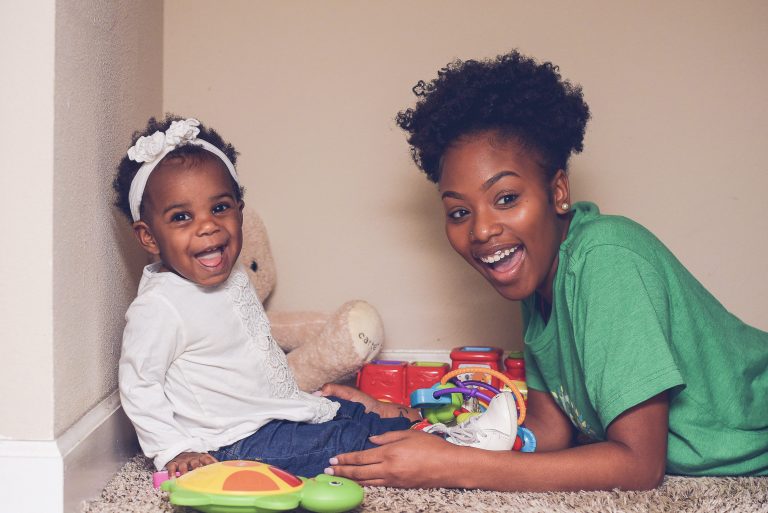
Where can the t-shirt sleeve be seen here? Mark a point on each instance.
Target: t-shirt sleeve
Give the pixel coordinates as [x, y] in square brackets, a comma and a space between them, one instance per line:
[533, 379]
[152, 339]
[621, 323]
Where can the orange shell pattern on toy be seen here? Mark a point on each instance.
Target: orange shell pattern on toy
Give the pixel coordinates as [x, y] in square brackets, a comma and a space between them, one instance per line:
[240, 477]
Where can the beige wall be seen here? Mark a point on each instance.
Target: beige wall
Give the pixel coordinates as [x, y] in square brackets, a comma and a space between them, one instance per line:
[108, 82]
[26, 296]
[307, 92]
[79, 77]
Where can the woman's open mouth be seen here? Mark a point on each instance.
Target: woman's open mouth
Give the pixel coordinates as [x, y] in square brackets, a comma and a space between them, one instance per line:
[503, 260]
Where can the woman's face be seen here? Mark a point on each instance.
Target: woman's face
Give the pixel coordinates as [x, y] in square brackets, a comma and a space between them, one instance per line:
[502, 214]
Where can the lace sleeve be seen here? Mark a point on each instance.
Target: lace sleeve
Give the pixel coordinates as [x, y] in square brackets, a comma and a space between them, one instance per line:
[281, 381]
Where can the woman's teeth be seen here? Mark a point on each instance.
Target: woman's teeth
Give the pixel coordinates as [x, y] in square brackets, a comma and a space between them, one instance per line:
[499, 255]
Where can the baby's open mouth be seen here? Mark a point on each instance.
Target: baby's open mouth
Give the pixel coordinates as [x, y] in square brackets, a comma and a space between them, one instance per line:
[211, 257]
[501, 259]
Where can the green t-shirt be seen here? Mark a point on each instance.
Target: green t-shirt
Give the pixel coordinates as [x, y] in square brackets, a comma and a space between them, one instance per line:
[629, 321]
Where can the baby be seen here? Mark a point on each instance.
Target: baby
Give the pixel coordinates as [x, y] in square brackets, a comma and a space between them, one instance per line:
[200, 376]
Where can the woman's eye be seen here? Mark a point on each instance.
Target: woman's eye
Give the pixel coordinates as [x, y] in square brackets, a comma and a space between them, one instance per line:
[221, 207]
[458, 213]
[507, 199]
[180, 216]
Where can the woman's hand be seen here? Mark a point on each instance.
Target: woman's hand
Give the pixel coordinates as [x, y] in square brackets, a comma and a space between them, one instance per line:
[384, 410]
[404, 459]
[187, 461]
[632, 458]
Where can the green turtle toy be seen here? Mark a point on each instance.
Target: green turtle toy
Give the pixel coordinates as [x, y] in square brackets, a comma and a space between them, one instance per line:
[240, 486]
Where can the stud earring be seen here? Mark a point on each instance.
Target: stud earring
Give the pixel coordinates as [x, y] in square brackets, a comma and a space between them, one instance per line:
[565, 206]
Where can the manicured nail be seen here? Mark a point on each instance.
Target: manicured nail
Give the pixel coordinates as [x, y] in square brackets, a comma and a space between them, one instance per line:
[333, 461]
[318, 393]
[328, 471]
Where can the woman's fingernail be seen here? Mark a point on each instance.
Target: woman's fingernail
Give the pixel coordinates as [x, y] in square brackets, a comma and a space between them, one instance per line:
[317, 392]
[328, 471]
[333, 461]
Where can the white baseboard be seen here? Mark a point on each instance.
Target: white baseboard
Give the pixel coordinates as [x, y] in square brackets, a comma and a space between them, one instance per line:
[415, 355]
[56, 476]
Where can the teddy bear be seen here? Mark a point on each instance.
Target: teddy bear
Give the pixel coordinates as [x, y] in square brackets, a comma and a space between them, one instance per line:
[321, 347]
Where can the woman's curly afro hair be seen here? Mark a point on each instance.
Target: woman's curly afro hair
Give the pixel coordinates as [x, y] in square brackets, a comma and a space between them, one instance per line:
[511, 94]
[127, 168]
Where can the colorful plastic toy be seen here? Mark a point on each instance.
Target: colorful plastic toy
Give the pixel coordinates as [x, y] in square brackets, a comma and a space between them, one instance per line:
[160, 477]
[498, 375]
[423, 374]
[514, 366]
[477, 356]
[437, 407]
[383, 380]
[393, 380]
[444, 402]
[240, 486]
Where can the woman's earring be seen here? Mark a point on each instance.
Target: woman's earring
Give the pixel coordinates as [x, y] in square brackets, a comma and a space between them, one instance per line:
[565, 206]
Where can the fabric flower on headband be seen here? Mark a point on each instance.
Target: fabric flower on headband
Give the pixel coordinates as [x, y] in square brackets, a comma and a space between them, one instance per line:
[150, 151]
[148, 148]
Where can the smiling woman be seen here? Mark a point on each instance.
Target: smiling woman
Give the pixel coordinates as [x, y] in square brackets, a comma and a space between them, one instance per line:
[502, 214]
[624, 348]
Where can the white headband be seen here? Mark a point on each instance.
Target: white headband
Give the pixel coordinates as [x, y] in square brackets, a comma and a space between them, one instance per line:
[153, 148]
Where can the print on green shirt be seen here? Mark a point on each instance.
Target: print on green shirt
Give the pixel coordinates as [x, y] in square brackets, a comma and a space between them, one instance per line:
[562, 399]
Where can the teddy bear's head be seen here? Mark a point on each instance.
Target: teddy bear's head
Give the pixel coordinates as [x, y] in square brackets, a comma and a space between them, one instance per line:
[256, 256]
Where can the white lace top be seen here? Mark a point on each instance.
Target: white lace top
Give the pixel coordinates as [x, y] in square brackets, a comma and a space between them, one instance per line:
[199, 368]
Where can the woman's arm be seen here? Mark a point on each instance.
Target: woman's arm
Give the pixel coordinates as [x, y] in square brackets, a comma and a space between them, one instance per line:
[632, 458]
[547, 421]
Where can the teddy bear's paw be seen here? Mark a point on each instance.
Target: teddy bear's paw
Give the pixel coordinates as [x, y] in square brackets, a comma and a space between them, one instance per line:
[366, 329]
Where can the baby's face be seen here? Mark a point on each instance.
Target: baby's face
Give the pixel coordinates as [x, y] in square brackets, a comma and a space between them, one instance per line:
[194, 220]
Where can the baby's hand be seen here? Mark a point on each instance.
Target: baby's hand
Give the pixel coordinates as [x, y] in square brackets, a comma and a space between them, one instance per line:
[350, 394]
[384, 410]
[187, 461]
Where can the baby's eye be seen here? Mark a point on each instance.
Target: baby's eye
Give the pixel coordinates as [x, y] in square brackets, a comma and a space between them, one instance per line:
[180, 216]
[221, 207]
[458, 214]
[507, 199]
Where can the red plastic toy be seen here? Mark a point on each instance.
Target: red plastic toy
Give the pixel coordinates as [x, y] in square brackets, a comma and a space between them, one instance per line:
[514, 366]
[478, 356]
[422, 375]
[384, 380]
[514, 369]
[393, 380]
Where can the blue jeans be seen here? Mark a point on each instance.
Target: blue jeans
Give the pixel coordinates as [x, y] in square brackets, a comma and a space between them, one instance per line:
[304, 449]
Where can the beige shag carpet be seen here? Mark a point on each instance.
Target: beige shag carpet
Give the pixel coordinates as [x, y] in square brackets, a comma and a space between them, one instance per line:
[130, 491]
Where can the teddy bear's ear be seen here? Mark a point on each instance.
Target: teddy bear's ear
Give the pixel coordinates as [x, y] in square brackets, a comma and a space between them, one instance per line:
[256, 255]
